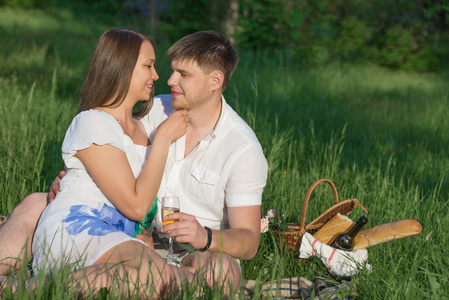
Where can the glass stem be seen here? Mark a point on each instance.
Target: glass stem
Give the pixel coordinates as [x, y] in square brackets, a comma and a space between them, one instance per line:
[170, 242]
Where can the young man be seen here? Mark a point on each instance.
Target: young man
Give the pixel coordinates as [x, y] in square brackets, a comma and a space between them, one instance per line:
[217, 169]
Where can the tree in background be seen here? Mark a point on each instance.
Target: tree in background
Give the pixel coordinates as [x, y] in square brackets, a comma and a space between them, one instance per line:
[27, 3]
[272, 24]
[183, 17]
[399, 34]
[437, 12]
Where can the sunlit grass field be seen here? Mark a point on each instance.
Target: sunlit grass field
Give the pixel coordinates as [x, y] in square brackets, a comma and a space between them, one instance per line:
[380, 135]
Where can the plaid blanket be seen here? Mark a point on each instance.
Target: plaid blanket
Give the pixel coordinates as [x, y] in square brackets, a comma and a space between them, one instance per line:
[296, 288]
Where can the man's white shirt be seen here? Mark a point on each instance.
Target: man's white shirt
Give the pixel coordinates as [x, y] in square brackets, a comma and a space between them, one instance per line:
[226, 169]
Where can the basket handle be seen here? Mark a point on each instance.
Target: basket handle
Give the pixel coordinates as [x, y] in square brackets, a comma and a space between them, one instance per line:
[306, 201]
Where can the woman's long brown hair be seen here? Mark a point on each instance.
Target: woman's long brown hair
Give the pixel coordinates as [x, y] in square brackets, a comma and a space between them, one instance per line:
[111, 69]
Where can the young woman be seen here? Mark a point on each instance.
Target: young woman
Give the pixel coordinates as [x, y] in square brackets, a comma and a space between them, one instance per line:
[113, 174]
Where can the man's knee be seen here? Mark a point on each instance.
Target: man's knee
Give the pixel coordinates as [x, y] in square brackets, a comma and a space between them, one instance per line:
[225, 268]
[232, 267]
[30, 209]
[19, 229]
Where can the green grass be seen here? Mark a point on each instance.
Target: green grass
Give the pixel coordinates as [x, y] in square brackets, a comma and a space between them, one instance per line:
[379, 135]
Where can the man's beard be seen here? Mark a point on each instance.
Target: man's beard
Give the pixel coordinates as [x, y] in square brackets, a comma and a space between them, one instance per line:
[178, 106]
[188, 104]
[181, 104]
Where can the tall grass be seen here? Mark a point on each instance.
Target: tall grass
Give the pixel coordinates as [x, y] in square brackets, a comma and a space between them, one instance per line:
[379, 135]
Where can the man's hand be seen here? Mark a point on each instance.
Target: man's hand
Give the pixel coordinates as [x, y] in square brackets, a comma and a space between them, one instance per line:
[54, 188]
[186, 230]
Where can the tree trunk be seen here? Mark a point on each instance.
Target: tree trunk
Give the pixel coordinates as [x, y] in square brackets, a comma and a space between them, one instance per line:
[153, 18]
[230, 21]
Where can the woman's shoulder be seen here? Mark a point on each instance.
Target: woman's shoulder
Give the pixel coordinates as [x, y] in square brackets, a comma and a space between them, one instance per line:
[93, 126]
[93, 117]
[94, 123]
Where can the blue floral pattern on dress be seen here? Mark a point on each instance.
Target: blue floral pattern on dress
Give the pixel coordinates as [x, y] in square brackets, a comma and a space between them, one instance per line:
[99, 222]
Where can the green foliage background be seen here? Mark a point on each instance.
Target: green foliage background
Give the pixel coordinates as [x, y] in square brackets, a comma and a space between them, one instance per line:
[319, 99]
[400, 34]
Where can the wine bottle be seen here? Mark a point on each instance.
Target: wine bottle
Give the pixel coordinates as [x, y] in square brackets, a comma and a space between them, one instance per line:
[345, 240]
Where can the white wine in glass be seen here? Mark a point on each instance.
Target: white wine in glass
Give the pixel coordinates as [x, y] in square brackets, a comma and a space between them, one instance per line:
[170, 205]
[167, 211]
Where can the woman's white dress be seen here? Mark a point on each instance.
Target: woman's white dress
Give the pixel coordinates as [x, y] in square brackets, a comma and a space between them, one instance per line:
[80, 225]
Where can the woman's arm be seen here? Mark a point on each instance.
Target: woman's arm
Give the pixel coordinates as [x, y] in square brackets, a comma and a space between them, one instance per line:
[111, 171]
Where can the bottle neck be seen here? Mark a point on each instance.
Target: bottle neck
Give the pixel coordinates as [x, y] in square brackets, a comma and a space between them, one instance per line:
[357, 226]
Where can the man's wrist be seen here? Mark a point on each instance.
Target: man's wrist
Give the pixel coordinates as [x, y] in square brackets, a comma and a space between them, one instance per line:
[209, 239]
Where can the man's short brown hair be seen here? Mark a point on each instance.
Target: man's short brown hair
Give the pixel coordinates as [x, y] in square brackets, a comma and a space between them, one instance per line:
[209, 49]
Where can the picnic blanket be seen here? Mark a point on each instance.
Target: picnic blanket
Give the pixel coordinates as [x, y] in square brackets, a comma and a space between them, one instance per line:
[296, 288]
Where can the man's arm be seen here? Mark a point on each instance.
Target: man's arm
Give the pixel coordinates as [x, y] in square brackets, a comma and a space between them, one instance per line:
[242, 239]
[243, 197]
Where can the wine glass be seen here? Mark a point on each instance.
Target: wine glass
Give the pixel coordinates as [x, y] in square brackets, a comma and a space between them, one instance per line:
[170, 205]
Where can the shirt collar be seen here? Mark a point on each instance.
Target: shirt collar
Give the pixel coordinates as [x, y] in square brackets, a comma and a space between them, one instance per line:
[211, 135]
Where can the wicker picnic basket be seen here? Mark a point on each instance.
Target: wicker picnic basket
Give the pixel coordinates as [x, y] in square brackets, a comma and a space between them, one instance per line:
[292, 239]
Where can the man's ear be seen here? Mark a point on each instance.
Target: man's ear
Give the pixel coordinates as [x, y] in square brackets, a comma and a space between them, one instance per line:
[217, 78]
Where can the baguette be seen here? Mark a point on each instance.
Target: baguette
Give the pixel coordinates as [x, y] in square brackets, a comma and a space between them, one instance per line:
[337, 224]
[386, 232]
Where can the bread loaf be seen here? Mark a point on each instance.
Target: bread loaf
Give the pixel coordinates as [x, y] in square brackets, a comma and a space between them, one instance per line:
[337, 224]
[386, 232]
